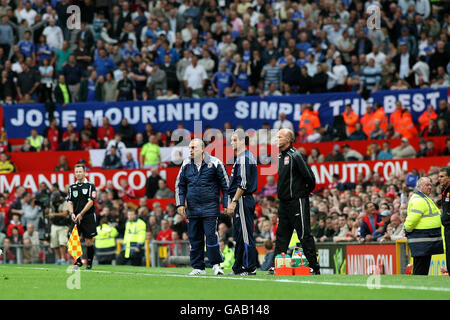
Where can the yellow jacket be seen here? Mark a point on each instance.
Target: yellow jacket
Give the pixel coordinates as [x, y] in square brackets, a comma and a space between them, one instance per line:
[422, 213]
[135, 232]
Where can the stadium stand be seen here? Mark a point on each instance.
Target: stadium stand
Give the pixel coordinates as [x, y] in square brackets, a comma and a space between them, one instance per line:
[164, 50]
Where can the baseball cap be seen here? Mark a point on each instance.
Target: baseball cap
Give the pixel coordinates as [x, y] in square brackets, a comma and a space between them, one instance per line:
[386, 213]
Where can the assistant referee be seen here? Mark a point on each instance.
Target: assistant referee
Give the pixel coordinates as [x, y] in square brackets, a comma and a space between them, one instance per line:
[81, 197]
[295, 183]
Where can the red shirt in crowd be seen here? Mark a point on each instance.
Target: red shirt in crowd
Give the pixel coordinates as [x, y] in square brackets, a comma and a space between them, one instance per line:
[164, 235]
[53, 137]
[91, 144]
[105, 132]
[12, 226]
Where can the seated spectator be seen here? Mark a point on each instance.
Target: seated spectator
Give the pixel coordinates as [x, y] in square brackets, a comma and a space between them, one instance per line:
[225, 233]
[131, 163]
[391, 133]
[270, 188]
[358, 134]
[265, 233]
[394, 230]
[382, 226]
[264, 157]
[163, 191]
[165, 234]
[315, 156]
[31, 245]
[377, 133]
[431, 150]
[62, 164]
[87, 143]
[430, 130]
[404, 150]
[386, 153]
[6, 166]
[112, 160]
[350, 154]
[344, 231]
[179, 224]
[15, 223]
[442, 128]
[126, 192]
[315, 136]
[35, 140]
[422, 149]
[426, 116]
[370, 222]
[117, 142]
[71, 144]
[27, 147]
[269, 258]
[335, 155]
[70, 129]
[445, 152]
[228, 255]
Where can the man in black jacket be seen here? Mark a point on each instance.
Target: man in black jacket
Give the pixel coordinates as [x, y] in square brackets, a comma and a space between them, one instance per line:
[295, 183]
[444, 180]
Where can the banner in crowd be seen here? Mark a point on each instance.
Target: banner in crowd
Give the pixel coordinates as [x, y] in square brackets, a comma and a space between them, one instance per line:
[137, 178]
[371, 258]
[250, 112]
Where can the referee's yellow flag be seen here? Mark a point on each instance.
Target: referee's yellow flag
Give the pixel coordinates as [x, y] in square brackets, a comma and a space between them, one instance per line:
[74, 244]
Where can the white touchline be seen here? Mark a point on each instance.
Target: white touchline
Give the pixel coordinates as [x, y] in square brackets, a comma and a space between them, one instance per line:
[325, 283]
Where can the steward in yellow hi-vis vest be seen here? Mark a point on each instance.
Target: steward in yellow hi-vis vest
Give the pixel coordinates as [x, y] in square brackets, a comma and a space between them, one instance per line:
[423, 227]
[105, 242]
[134, 240]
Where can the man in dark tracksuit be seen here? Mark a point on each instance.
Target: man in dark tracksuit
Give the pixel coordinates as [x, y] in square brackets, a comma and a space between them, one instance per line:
[444, 179]
[243, 183]
[198, 186]
[295, 183]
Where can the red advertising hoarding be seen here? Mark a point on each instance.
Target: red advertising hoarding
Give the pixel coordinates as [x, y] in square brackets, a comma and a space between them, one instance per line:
[367, 258]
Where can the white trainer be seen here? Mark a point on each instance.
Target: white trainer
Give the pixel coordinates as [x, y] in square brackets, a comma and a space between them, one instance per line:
[197, 272]
[217, 269]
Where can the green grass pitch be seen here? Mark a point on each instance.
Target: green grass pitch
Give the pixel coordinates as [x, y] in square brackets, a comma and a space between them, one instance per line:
[138, 283]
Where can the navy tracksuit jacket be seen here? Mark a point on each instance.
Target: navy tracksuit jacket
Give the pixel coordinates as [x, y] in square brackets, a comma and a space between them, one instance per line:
[201, 191]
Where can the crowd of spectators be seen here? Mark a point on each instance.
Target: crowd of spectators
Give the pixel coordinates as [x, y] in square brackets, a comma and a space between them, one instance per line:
[368, 210]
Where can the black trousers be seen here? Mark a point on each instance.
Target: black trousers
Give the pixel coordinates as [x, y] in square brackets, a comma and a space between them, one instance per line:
[421, 265]
[295, 214]
[447, 246]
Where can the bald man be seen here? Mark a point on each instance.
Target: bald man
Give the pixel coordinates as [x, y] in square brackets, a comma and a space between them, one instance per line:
[201, 179]
[295, 183]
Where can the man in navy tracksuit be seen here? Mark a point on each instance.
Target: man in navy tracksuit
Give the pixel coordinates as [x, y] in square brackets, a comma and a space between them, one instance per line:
[243, 183]
[198, 186]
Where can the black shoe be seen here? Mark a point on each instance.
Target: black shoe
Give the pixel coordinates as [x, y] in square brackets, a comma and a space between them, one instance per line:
[89, 266]
[77, 265]
[315, 272]
[247, 273]
[271, 271]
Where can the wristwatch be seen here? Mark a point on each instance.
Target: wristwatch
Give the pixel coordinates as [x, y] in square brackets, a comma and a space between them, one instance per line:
[234, 200]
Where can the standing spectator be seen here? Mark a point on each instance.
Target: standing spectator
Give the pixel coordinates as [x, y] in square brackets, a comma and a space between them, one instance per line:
[62, 57]
[283, 123]
[54, 36]
[271, 73]
[54, 134]
[46, 86]
[61, 92]
[134, 240]
[151, 185]
[404, 150]
[109, 88]
[87, 143]
[371, 78]
[32, 213]
[126, 131]
[150, 154]
[195, 78]
[31, 245]
[158, 81]
[28, 83]
[105, 133]
[7, 32]
[90, 88]
[222, 80]
[103, 64]
[73, 73]
[126, 89]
